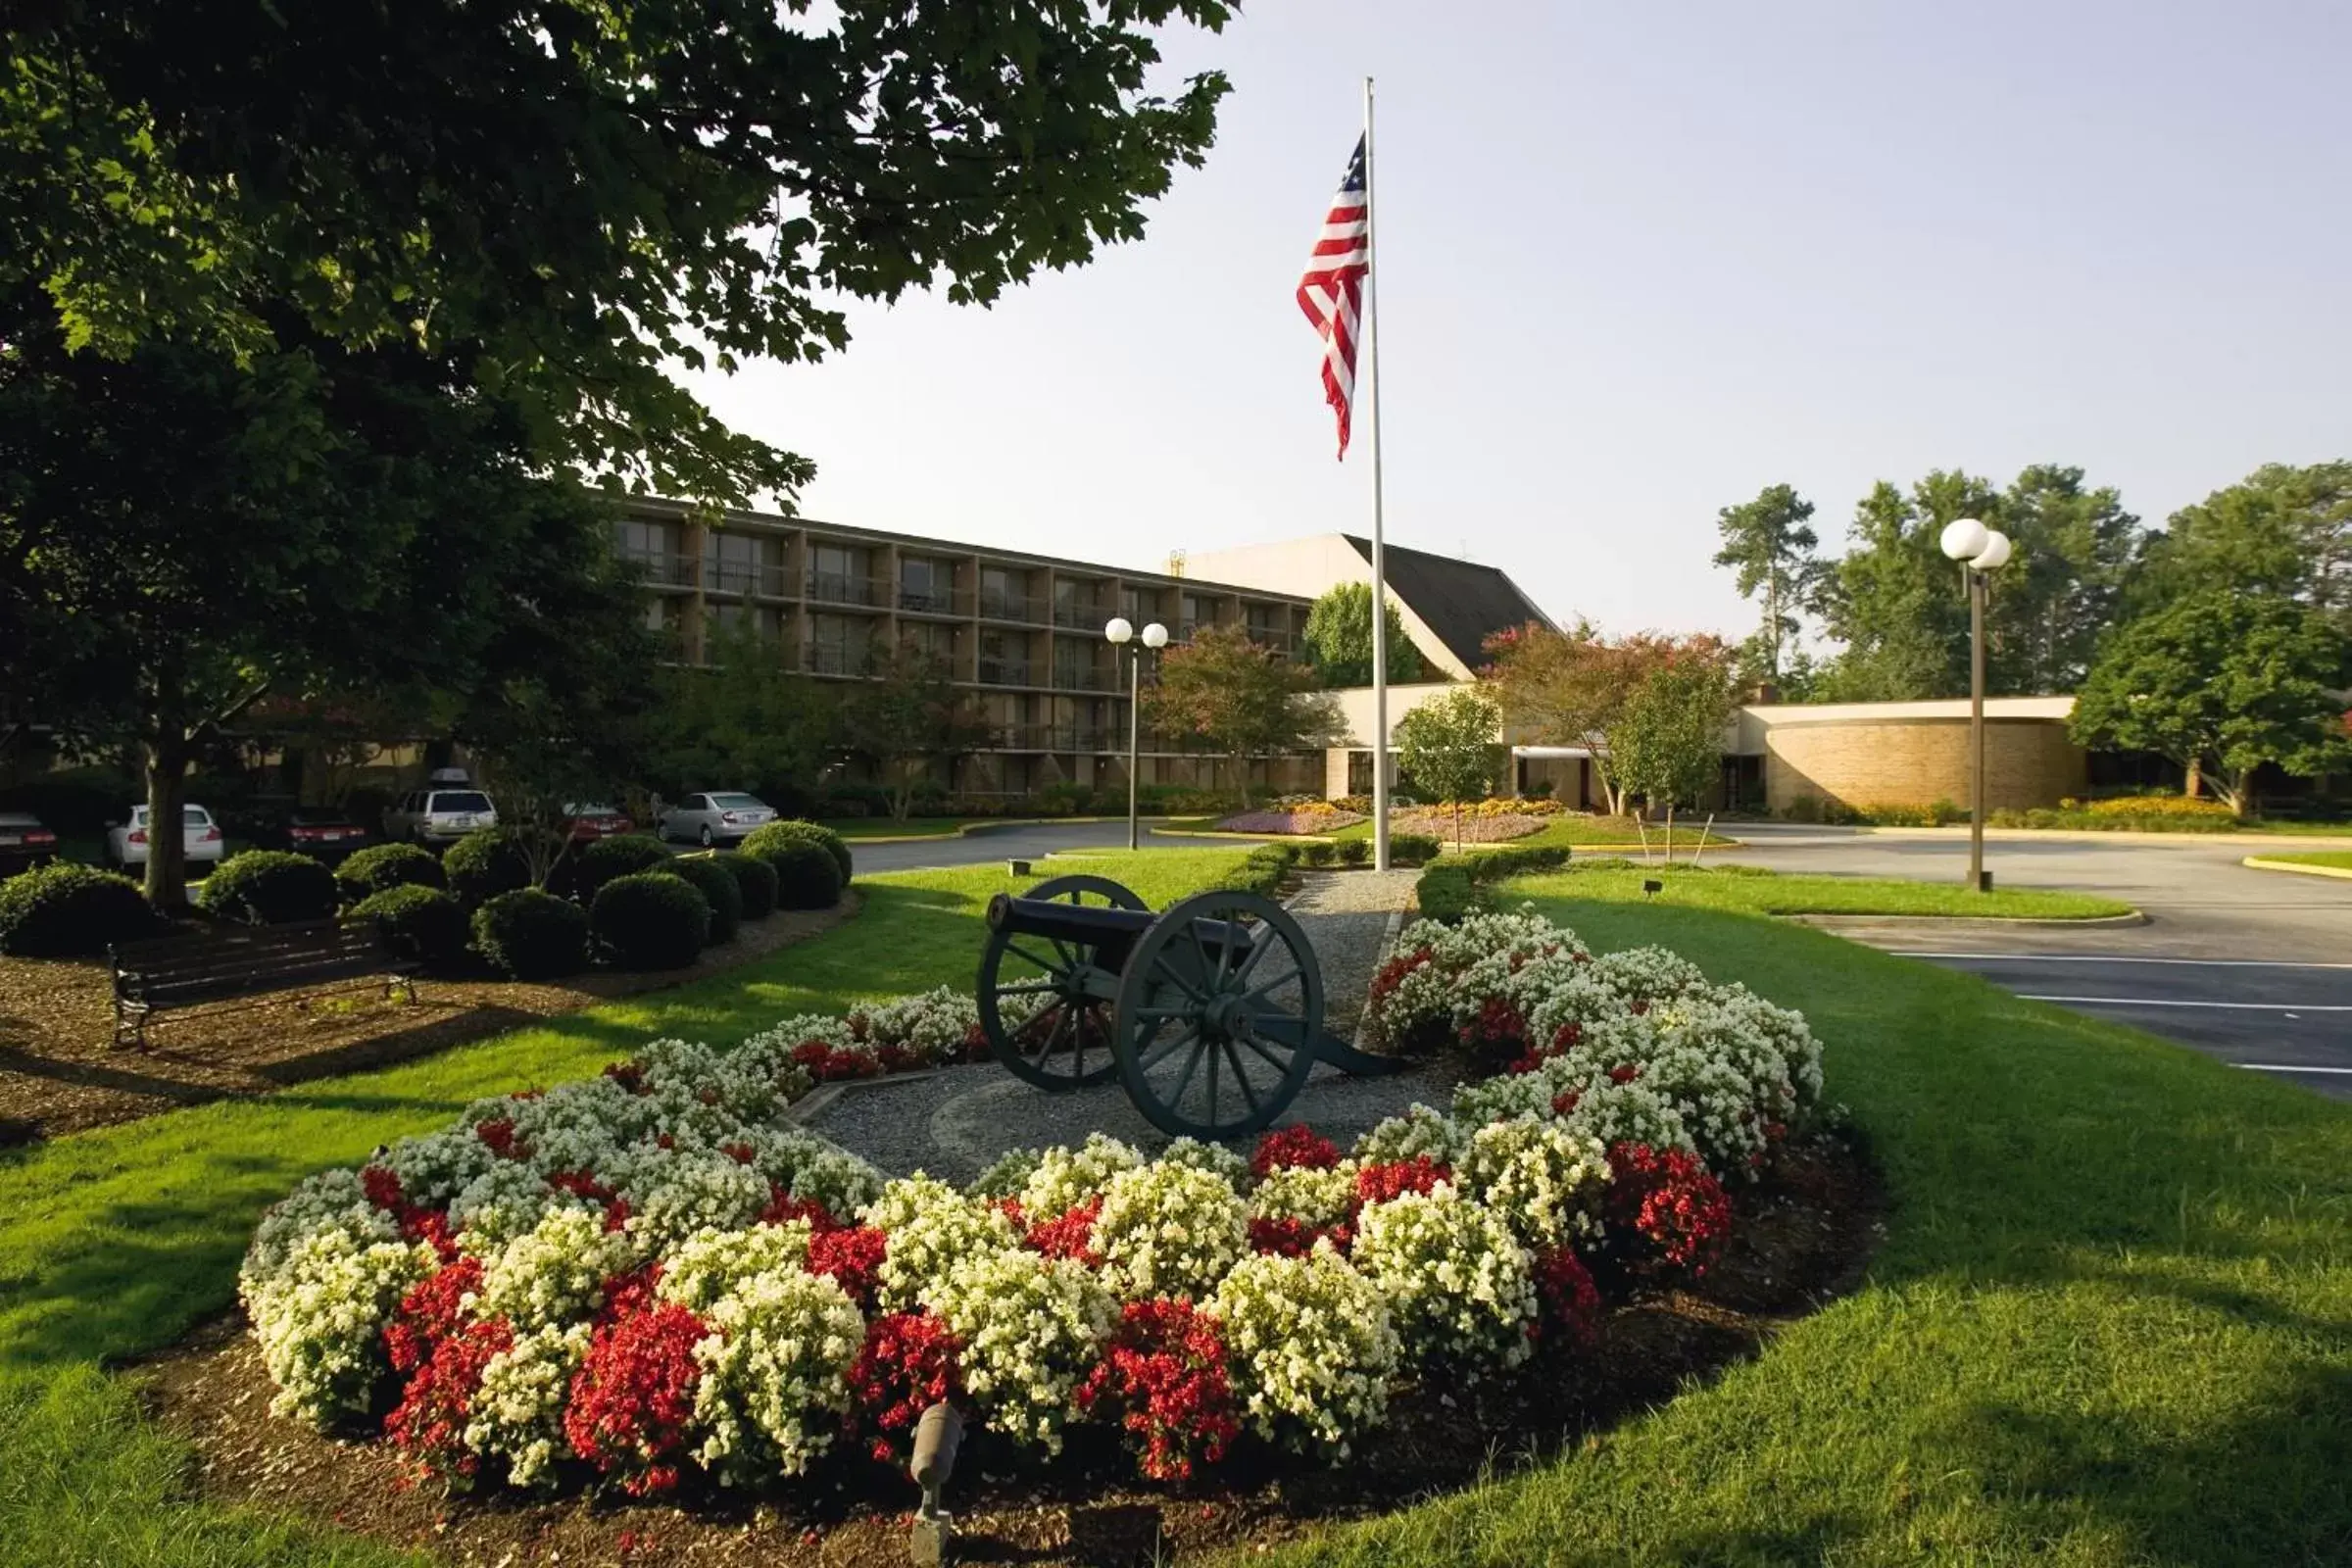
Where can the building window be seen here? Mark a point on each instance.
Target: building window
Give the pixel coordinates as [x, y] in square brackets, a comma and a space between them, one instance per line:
[1005, 657]
[837, 645]
[929, 640]
[839, 573]
[1005, 593]
[1140, 606]
[651, 547]
[739, 564]
[927, 585]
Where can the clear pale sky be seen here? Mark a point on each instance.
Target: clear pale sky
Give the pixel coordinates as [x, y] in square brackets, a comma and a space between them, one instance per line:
[1638, 262]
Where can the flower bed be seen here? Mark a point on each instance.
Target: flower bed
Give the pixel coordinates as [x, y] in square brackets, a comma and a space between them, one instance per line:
[1475, 826]
[650, 1281]
[1317, 819]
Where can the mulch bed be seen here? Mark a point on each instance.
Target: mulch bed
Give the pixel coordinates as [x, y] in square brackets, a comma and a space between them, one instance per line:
[61, 1073]
[1801, 1240]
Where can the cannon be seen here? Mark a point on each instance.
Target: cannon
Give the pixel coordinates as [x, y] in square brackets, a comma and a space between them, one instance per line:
[1210, 1011]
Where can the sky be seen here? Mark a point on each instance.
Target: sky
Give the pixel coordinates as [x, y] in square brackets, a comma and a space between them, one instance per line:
[1636, 263]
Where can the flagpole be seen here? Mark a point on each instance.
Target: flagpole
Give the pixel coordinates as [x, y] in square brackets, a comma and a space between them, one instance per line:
[1380, 576]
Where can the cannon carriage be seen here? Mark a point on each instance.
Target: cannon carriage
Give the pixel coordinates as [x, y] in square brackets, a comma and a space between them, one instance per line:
[1212, 1011]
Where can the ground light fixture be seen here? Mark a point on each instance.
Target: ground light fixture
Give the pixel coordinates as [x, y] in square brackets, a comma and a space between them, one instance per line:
[1980, 550]
[1119, 632]
[937, 1436]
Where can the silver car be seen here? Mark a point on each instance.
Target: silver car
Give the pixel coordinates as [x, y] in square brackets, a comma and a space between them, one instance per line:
[438, 817]
[714, 820]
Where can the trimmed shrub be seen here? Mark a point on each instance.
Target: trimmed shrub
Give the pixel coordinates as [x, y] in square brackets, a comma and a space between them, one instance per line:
[1318, 853]
[384, 866]
[482, 865]
[270, 886]
[720, 894]
[418, 922]
[595, 864]
[1445, 892]
[807, 877]
[1493, 866]
[760, 839]
[1356, 851]
[1262, 869]
[531, 935]
[1413, 849]
[71, 912]
[754, 879]
[650, 920]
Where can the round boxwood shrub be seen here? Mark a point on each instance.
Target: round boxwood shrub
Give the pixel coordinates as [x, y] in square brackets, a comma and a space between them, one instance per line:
[484, 864]
[807, 877]
[754, 879]
[71, 912]
[532, 935]
[595, 864]
[382, 866]
[270, 886]
[418, 922]
[650, 920]
[716, 884]
[760, 839]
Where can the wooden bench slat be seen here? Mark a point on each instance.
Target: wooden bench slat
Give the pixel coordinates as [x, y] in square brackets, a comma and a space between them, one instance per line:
[158, 976]
[216, 959]
[180, 994]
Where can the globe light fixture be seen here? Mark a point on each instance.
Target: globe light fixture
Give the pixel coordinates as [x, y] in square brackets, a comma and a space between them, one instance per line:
[1965, 538]
[1119, 632]
[1994, 555]
[1155, 635]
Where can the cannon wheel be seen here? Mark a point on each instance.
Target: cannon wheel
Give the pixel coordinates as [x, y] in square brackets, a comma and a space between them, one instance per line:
[1214, 1044]
[1069, 1035]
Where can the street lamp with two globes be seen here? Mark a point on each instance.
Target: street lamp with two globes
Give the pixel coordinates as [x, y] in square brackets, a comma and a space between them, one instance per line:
[1119, 633]
[1981, 551]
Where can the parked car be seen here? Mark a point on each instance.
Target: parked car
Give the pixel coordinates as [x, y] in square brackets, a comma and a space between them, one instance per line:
[438, 817]
[714, 820]
[585, 824]
[23, 843]
[324, 831]
[201, 840]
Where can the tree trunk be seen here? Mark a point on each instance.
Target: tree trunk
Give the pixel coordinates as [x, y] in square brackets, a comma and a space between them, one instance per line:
[2238, 794]
[1670, 832]
[2195, 784]
[1240, 776]
[167, 879]
[1458, 824]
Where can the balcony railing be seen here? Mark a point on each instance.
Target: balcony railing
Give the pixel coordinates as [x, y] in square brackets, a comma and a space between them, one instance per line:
[661, 568]
[834, 588]
[767, 579]
[1085, 678]
[1082, 615]
[1007, 672]
[834, 658]
[1023, 607]
[934, 601]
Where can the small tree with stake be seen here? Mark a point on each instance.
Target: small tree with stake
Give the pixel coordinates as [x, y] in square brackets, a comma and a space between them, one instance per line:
[1447, 745]
[1245, 700]
[1668, 744]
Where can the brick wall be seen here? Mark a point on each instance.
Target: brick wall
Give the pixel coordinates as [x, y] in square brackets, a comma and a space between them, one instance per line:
[1917, 761]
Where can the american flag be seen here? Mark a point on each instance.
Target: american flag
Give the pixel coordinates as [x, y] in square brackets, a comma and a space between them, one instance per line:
[1331, 293]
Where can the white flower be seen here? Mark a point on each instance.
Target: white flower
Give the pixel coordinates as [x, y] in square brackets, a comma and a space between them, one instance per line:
[1310, 1346]
[518, 1413]
[1315, 1199]
[1420, 1131]
[1544, 1180]
[1169, 1229]
[554, 1272]
[932, 1228]
[1065, 1178]
[1031, 1328]
[1457, 1282]
[318, 1317]
[775, 1369]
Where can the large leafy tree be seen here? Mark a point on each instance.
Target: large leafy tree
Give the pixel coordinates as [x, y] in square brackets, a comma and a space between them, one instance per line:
[1572, 687]
[1668, 744]
[2222, 682]
[182, 537]
[1244, 700]
[1448, 746]
[1339, 638]
[745, 721]
[573, 200]
[2281, 530]
[2061, 590]
[909, 722]
[1894, 601]
[1768, 543]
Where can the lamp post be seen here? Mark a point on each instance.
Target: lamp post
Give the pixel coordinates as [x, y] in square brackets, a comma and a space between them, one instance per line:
[1118, 633]
[1981, 551]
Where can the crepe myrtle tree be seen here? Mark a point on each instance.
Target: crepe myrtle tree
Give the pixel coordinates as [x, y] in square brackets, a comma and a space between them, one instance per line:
[1447, 746]
[1242, 699]
[1668, 744]
[1573, 687]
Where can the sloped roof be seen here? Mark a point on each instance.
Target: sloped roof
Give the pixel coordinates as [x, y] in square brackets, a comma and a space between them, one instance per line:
[1463, 602]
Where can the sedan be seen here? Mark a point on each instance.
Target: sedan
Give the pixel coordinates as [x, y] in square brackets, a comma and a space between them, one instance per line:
[714, 820]
[323, 831]
[585, 824]
[200, 838]
[23, 843]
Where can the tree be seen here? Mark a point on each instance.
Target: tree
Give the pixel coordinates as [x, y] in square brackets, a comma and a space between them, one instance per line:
[2048, 608]
[1244, 700]
[1339, 638]
[1769, 543]
[1448, 744]
[1571, 688]
[747, 720]
[2281, 530]
[906, 718]
[181, 536]
[1894, 601]
[1669, 743]
[2222, 682]
[572, 201]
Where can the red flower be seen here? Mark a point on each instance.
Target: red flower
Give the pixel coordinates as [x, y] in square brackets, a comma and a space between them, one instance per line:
[850, 1256]
[498, 1136]
[1671, 1202]
[429, 1422]
[1295, 1238]
[740, 1153]
[616, 1217]
[1624, 1073]
[434, 1309]
[783, 1206]
[1562, 1104]
[629, 1075]
[1497, 1023]
[1567, 1036]
[581, 1184]
[1300, 1148]
[975, 1043]
[1571, 1301]
[1393, 972]
[633, 1395]
[1163, 1380]
[906, 1365]
[1070, 1233]
[382, 1186]
[417, 1223]
[1377, 1184]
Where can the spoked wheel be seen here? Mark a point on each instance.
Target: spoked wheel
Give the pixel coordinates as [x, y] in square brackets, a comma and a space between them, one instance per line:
[1044, 1004]
[1218, 1014]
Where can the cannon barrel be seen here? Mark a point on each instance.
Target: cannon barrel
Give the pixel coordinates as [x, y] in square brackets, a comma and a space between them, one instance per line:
[1097, 927]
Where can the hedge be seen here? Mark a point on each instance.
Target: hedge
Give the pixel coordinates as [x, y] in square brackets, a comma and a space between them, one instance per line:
[762, 839]
[650, 920]
[595, 864]
[67, 911]
[532, 935]
[721, 896]
[381, 867]
[807, 877]
[484, 864]
[420, 922]
[270, 886]
[754, 879]
[1450, 888]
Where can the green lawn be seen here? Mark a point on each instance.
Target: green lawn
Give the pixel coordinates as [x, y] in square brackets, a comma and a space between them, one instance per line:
[2111, 1323]
[1572, 831]
[1753, 889]
[118, 1241]
[2334, 859]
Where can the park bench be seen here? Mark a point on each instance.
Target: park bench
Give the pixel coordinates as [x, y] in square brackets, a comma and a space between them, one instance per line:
[173, 973]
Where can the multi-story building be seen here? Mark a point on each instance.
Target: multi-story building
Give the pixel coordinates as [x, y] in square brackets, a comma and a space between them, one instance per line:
[1023, 633]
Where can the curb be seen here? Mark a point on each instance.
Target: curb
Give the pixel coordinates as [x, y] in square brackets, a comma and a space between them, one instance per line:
[2261, 865]
[2075, 835]
[1948, 923]
[968, 829]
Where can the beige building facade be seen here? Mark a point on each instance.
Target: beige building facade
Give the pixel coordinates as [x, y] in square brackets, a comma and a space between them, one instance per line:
[1861, 755]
